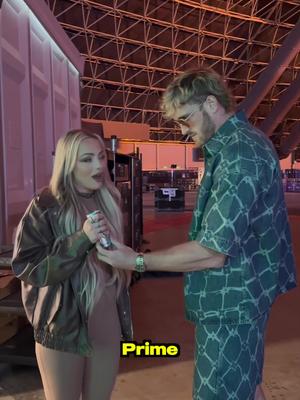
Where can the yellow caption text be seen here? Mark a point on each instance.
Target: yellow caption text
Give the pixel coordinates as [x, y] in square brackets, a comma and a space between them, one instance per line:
[148, 349]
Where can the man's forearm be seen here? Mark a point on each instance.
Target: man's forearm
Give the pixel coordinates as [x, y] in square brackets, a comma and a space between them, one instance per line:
[190, 256]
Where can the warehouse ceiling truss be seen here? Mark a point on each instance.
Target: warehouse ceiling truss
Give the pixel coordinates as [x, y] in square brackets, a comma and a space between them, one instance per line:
[134, 48]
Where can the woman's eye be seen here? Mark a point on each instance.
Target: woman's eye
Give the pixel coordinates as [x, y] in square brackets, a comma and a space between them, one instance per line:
[86, 160]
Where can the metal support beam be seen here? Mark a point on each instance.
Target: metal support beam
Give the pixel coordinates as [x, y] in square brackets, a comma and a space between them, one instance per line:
[133, 52]
[270, 75]
[291, 142]
[282, 107]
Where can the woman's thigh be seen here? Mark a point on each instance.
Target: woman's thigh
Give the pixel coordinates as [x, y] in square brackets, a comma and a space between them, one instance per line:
[61, 373]
[101, 368]
[100, 373]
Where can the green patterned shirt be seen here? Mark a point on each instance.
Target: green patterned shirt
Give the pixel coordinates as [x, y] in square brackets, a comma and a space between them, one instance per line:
[241, 212]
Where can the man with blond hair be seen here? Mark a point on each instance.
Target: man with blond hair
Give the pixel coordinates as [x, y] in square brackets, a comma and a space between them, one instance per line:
[239, 255]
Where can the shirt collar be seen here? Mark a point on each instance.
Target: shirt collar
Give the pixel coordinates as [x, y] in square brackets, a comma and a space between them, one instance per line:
[224, 133]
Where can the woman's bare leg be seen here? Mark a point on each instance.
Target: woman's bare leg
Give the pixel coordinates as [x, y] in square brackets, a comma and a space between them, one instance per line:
[61, 373]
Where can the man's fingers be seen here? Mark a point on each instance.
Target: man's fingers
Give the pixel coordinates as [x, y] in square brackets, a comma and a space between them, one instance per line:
[116, 243]
[102, 257]
[101, 250]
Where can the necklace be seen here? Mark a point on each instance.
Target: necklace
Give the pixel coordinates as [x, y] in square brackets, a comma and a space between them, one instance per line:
[86, 195]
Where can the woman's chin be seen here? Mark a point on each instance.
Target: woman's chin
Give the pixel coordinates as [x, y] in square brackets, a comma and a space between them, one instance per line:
[98, 186]
[93, 188]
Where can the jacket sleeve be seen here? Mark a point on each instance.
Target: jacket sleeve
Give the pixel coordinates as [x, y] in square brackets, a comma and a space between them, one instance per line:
[41, 259]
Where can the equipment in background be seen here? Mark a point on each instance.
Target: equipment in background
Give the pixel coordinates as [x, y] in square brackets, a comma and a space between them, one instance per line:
[126, 172]
[172, 197]
[291, 180]
[169, 199]
[184, 179]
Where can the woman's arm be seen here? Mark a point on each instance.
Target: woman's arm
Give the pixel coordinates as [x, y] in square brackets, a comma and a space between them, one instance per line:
[40, 258]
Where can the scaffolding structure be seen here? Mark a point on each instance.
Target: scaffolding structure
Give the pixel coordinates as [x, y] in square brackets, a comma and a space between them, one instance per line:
[134, 48]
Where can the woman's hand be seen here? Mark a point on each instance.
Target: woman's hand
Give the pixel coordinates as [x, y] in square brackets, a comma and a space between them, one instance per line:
[120, 256]
[93, 228]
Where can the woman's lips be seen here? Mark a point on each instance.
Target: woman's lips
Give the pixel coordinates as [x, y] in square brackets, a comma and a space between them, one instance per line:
[98, 178]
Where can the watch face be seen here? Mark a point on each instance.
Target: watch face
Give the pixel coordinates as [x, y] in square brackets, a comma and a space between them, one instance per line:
[139, 263]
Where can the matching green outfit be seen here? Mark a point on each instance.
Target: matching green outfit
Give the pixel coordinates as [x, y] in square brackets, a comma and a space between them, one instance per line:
[241, 212]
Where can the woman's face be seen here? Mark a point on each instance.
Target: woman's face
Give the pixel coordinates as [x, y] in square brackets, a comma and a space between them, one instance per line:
[91, 164]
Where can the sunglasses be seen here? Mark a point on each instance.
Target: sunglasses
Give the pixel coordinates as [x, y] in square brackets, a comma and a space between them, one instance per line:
[183, 121]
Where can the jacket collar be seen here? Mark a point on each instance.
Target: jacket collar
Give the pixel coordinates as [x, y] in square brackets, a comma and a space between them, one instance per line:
[46, 199]
[224, 133]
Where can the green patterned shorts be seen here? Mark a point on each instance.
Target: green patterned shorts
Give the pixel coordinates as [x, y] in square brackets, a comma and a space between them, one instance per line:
[229, 360]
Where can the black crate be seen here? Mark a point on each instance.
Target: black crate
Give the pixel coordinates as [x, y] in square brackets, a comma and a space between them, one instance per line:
[169, 199]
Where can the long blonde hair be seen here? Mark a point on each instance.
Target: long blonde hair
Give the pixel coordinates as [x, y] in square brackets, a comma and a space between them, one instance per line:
[107, 199]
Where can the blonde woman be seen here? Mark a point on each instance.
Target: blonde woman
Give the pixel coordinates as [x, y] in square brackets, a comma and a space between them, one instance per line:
[78, 306]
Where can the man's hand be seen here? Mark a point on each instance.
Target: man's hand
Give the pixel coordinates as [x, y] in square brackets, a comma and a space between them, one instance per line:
[121, 256]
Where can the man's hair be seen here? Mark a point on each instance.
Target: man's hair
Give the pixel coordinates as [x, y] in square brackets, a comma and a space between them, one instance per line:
[194, 86]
